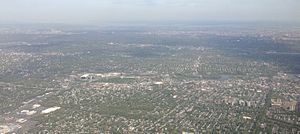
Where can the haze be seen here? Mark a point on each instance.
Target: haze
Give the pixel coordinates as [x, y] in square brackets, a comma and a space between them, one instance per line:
[105, 11]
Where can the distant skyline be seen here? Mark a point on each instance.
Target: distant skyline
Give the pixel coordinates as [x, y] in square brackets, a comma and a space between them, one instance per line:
[97, 12]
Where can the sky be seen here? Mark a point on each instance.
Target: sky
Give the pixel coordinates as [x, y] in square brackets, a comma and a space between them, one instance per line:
[106, 11]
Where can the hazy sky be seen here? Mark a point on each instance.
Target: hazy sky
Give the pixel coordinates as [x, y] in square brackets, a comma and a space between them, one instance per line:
[103, 11]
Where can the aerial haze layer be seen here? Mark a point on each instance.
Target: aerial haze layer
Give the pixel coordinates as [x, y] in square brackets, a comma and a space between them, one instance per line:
[106, 11]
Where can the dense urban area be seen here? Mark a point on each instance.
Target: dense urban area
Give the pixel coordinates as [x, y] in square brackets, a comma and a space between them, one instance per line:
[150, 79]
